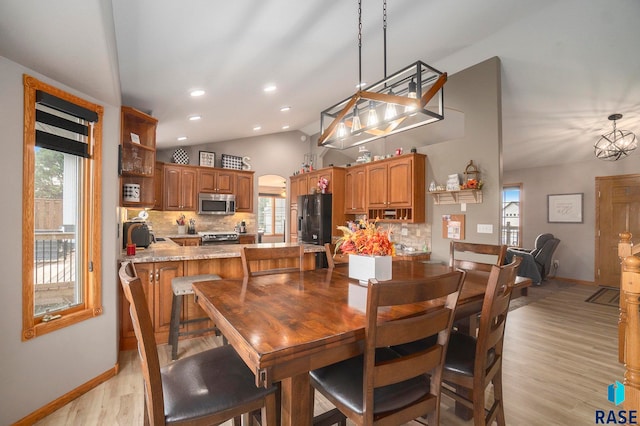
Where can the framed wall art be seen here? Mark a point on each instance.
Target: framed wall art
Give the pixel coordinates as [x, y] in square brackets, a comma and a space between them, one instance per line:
[565, 208]
[207, 159]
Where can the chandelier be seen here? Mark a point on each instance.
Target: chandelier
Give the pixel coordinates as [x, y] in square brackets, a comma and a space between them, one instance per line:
[407, 99]
[617, 144]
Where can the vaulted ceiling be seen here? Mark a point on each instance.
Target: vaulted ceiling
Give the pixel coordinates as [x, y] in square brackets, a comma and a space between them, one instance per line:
[567, 64]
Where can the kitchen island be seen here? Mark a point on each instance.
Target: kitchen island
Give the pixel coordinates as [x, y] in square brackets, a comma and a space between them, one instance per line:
[158, 264]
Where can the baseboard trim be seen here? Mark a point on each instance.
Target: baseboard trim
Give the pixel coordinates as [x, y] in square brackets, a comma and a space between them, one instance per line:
[571, 280]
[54, 405]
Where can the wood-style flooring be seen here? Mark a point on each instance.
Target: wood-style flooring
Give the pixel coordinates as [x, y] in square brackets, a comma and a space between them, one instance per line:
[560, 356]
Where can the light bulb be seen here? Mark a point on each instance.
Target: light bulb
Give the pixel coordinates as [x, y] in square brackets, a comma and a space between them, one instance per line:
[342, 130]
[390, 111]
[412, 95]
[372, 117]
[355, 123]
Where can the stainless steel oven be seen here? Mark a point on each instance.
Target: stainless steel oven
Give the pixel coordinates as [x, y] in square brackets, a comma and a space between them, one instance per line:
[211, 238]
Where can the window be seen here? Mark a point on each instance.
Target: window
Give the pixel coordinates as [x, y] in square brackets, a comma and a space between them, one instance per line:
[511, 215]
[61, 200]
[271, 214]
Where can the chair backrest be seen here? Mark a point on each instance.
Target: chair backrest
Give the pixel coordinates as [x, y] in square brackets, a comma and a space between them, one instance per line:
[143, 329]
[382, 334]
[493, 320]
[473, 253]
[546, 245]
[271, 260]
[333, 257]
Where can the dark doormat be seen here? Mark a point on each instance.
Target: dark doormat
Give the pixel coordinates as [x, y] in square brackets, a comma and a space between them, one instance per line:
[606, 296]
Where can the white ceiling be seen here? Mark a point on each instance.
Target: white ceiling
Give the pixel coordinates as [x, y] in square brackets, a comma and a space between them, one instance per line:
[567, 64]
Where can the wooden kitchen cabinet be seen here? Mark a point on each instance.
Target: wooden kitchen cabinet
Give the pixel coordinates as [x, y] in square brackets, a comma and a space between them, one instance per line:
[156, 282]
[355, 190]
[396, 189]
[244, 191]
[180, 187]
[246, 239]
[187, 242]
[137, 155]
[298, 186]
[219, 181]
[158, 185]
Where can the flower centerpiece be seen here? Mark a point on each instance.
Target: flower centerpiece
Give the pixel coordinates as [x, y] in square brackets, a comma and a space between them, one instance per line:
[370, 250]
[323, 184]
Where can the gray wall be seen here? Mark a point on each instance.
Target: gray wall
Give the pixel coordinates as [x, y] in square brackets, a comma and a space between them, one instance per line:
[576, 252]
[37, 372]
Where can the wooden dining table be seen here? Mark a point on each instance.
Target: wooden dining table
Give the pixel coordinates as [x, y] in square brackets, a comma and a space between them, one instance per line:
[285, 325]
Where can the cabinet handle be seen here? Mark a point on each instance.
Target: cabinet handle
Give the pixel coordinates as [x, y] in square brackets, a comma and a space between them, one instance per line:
[150, 276]
[158, 276]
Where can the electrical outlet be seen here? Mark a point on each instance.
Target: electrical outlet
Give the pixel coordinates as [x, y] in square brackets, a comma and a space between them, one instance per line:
[556, 263]
[404, 232]
[485, 228]
[418, 233]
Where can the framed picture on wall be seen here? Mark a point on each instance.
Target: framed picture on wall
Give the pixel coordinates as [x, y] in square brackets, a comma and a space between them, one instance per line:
[207, 159]
[565, 208]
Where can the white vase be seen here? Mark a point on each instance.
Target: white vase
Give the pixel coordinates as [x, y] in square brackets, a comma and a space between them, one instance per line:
[182, 229]
[362, 268]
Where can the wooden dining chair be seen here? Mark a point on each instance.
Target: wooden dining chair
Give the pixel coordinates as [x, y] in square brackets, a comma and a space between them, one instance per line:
[271, 260]
[210, 387]
[472, 364]
[476, 257]
[382, 386]
[334, 258]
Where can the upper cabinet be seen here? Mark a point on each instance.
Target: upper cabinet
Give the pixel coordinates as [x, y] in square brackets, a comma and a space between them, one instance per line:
[220, 181]
[180, 185]
[355, 201]
[244, 191]
[137, 158]
[395, 189]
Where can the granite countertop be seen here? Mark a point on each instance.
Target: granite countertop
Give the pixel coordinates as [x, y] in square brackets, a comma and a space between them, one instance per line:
[169, 251]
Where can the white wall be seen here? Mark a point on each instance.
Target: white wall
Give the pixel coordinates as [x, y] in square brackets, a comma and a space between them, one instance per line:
[38, 371]
[576, 251]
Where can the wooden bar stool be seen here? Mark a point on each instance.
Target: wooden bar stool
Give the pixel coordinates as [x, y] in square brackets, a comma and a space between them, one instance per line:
[181, 286]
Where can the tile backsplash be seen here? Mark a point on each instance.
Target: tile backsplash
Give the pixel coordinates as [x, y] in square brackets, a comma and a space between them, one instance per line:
[164, 223]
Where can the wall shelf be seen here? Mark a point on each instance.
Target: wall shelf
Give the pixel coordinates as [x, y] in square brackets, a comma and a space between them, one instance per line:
[469, 196]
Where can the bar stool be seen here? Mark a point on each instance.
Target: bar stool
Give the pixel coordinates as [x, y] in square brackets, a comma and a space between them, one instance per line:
[181, 286]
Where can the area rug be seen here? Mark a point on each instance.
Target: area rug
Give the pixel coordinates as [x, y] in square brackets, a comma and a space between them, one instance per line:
[606, 296]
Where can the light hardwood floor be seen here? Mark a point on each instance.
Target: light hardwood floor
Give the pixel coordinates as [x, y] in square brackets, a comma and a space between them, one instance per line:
[560, 356]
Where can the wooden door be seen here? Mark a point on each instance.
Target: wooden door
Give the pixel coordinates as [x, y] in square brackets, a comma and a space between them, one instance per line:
[189, 178]
[355, 195]
[172, 197]
[400, 181]
[617, 210]
[163, 295]
[377, 189]
[244, 192]
[206, 180]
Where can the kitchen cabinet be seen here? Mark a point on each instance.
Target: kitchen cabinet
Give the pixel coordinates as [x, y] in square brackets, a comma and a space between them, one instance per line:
[219, 181]
[293, 223]
[193, 241]
[298, 185]
[244, 192]
[396, 189]
[355, 190]
[246, 239]
[180, 186]
[156, 282]
[158, 185]
[137, 155]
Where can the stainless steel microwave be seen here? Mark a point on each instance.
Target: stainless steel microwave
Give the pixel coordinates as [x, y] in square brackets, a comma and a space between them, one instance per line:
[216, 203]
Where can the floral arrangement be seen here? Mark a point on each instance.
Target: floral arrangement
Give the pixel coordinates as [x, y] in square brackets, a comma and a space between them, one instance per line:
[366, 238]
[323, 183]
[181, 220]
[472, 184]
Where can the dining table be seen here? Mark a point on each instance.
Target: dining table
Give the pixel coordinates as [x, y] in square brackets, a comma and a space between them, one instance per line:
[284, 325]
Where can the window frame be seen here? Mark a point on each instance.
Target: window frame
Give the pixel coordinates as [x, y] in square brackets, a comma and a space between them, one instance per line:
[520, 211]
[273, 210]
[91, 269]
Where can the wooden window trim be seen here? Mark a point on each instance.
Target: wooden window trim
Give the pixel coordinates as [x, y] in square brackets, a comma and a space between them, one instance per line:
[92, 177]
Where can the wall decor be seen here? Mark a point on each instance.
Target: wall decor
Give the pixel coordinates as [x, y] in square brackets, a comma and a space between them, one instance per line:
[565, 208]
[180, 156]
[231, 162]
[207, 159]
[453, 226]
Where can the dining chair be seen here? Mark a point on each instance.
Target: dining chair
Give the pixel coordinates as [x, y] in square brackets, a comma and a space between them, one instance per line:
[210, 387]
[334, 258]
[382, 386]
[472, 364]
[276, 259]
[475, 256]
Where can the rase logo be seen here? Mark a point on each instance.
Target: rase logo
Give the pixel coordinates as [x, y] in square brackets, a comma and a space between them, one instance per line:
[615, 395]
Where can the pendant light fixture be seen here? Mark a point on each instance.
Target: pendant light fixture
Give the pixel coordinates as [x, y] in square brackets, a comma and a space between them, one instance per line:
[407, 99]
[617, 144]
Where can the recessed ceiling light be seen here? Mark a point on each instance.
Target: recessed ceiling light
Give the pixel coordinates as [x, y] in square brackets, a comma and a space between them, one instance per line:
[285, 127]
[270, 88]
[195, 117]
[285, 108]
[182, 138]
[256, 128]
[197, 92]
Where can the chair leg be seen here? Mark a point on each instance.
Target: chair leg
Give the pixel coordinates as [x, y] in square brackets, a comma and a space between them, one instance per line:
[497, 394]
[462, 411]
[479, 412]
[174, 327]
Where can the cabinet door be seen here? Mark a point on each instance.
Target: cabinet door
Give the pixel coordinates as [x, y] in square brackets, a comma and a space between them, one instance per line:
[163, 295]
[189, 179]
[244, 192]
[293, 223]
[400, 177]
[172, 197]
[217, 181]
[298, 187]
[206, 180]
[146, 272]
[225, 181]
[355, 195]
[377, 191]
[158, 187]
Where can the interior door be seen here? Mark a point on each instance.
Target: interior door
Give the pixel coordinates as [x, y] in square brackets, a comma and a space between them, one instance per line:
[617, 210]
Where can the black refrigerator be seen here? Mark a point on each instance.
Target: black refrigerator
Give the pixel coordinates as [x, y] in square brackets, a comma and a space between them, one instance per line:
[314, 222]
